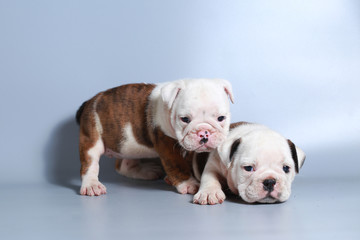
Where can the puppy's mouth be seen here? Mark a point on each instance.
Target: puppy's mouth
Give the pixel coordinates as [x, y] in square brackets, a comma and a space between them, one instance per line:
[203, 148]
[268, 199]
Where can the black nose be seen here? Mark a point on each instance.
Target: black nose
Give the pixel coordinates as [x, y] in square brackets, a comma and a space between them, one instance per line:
[204, 140]
[269, 184]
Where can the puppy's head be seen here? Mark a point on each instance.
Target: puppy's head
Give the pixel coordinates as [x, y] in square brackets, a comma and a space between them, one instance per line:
[261, 166]
[199, 112]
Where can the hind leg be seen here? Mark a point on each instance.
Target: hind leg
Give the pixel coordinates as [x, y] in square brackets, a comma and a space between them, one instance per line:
[89, 157]
[139, 169]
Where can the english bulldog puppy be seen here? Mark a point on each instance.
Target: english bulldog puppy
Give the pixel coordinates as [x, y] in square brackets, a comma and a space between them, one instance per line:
[255, 162]
[166, 120]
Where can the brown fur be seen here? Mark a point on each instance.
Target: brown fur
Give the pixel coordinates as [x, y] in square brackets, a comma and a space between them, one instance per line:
[118, 106]
[177, 167]
[121, 105]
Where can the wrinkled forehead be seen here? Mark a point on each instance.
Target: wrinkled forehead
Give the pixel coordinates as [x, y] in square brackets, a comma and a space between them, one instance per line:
[274, 154]
[204, 98]
[267, 150]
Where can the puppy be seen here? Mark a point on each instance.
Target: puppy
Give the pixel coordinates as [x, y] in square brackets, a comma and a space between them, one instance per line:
[255, 162]
[166, 120]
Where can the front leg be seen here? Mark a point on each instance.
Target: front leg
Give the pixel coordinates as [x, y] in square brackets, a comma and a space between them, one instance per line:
[177, 167]
[210, 191]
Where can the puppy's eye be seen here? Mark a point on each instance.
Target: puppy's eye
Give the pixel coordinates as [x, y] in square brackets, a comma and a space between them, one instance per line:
[185, 119]
[249, 168]
[286, 169]
[221, 118]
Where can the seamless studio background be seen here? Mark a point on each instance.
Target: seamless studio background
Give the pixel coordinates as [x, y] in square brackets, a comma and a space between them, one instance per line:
[294, 66]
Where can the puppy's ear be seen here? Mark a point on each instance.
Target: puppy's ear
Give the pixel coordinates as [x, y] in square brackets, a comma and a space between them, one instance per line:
[227, 88]
[227, 150]
[170, 91]
[297, 155]
[234, 148]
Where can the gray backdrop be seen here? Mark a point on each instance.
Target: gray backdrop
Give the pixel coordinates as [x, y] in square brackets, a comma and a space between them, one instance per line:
[294, 66]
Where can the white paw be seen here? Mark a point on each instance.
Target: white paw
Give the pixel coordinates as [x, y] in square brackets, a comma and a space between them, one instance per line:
[189, 186]
[209, 196]
[134, 168]
[92, 188]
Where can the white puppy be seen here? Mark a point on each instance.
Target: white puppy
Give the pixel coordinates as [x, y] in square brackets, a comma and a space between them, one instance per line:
[256, 163]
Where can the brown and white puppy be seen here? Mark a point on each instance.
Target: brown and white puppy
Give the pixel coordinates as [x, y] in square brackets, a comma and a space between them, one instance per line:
[255, 162]
[166, 120]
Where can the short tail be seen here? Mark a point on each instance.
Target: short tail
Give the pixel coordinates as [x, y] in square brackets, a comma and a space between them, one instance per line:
[79, 112]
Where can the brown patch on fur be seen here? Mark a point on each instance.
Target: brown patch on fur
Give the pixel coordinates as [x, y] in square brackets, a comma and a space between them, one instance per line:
[129, 104]
[115, 107]
[121, 105]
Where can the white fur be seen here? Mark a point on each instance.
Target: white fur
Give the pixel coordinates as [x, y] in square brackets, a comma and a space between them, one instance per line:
[202, 101]
[130, 148]
[260, 147]
[98, 125]
[188, 186]
[210, 191]
[130, 155]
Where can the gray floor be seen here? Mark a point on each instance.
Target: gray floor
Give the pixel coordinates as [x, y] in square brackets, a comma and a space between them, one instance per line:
[317, 209]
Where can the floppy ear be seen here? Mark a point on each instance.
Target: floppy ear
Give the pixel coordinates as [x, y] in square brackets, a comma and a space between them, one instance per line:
[227, 88]
[227, 150]
[297, 155]
[170, 91]
[234, 148]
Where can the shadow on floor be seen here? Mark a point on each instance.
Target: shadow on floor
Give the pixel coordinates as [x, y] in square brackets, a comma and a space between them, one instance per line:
[62, 164]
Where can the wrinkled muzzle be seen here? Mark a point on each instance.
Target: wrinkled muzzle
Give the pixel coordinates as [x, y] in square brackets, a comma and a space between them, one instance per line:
[203, 138]
[267, 190]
